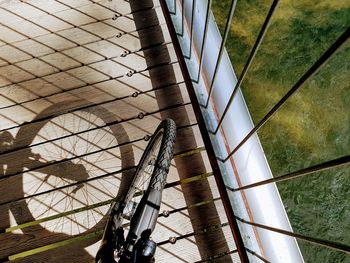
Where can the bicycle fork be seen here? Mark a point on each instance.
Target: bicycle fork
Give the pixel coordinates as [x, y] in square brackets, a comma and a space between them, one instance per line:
[138, 242]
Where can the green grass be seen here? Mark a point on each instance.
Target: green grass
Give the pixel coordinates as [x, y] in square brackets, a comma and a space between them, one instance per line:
[314, 125]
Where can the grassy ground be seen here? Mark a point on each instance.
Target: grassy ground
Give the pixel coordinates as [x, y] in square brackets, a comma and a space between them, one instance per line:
[314, 125]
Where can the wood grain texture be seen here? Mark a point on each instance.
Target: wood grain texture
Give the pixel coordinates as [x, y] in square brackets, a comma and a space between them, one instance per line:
[177, 224]
[79, 90]
[108, 170]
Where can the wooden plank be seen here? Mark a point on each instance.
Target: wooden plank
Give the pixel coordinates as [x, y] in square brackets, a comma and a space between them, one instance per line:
[185, 251]
[55, 36]
[19, 114]
[82, 99]
[39, 48]
[38, 88]
[9, 35]
[74, 252]
[12, 55]
[131, 41]
[35, 236]
[172, 232]
[10, 74]
[13, 185]
[126, 23]
[20, 25]
[65, 84]
[110, 112]
[123, 7]
[63, 149]
[182, 250]
[100, 163]
[25, 218]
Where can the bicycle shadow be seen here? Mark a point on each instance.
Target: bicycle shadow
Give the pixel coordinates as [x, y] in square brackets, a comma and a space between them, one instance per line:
[30, 183]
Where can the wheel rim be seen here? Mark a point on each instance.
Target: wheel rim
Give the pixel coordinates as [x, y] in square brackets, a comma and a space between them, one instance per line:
[142, 177]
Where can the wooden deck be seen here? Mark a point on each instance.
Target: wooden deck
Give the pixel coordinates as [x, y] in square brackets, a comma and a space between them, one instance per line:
[82, 82]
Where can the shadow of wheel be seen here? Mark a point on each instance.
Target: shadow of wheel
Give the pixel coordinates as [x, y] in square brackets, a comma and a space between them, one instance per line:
[49, 126]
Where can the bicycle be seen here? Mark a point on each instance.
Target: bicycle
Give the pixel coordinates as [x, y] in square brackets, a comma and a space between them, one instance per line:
[141, 204]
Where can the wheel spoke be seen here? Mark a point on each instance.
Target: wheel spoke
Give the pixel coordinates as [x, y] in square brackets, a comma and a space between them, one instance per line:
[88, 166]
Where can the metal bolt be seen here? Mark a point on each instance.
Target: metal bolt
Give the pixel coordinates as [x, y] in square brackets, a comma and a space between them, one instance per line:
[130, 73]
[125, 53]
[140, 115]
[115, 17]
[172, 240]
[135, 94]
[166, 213]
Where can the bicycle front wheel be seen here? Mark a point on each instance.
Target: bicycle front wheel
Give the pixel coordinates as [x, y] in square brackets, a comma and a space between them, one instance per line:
[139, 208]
[149, 180]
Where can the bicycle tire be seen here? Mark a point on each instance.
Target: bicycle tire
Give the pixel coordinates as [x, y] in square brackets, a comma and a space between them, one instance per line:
[142, 219]
[167, 129]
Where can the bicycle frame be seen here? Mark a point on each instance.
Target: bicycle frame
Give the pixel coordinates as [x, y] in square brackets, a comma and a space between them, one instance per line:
[138, 246]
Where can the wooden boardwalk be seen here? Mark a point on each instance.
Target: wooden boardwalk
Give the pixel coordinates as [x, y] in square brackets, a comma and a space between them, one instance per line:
[82, 85]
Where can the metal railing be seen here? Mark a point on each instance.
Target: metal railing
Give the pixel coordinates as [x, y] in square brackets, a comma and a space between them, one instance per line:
[175, 11]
